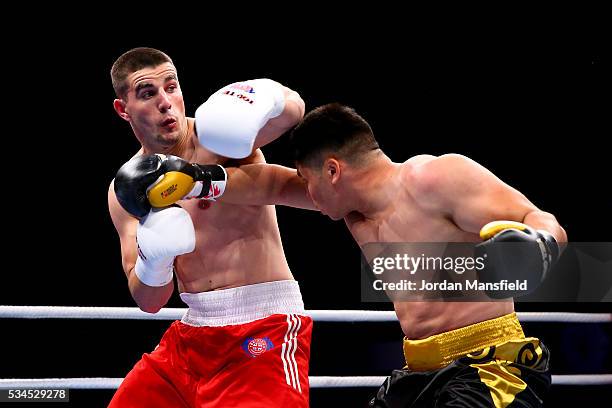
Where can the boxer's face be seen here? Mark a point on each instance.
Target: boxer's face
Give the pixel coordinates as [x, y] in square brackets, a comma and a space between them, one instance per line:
[323, 192]
[154, 105]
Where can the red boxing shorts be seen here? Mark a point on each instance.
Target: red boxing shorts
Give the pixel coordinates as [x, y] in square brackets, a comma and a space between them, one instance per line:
[240, 347]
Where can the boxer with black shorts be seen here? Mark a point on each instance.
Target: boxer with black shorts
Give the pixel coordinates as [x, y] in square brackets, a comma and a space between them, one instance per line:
[458, 354]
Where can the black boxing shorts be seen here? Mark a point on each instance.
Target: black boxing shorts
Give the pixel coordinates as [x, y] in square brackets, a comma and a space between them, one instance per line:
[487, 364]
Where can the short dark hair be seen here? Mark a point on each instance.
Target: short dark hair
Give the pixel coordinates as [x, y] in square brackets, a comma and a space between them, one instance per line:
[132, 61]
[335, 129]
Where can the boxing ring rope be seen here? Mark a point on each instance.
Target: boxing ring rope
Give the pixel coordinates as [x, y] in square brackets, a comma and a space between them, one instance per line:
[315, 382]
[133, 313]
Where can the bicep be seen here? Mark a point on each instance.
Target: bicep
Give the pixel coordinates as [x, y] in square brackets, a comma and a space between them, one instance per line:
[126, 225]
[492, 200]
[474, 196]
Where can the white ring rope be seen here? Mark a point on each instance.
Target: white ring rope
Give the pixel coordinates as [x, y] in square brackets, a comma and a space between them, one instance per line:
[133, 313]
[315, 382]
[66, 312]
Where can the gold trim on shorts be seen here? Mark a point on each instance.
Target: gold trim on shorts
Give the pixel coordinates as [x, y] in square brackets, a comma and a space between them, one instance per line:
[440, 350]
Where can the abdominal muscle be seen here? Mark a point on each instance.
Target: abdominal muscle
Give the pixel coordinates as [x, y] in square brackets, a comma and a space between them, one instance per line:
[235, 246]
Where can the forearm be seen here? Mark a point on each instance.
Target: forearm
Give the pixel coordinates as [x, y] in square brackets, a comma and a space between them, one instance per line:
[292, 114]
[546, 221]
[149, 299]
[148, 254]
[266, 184]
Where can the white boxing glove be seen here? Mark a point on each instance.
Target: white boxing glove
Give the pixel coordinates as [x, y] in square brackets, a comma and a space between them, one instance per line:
[162, 235]
[228, 122]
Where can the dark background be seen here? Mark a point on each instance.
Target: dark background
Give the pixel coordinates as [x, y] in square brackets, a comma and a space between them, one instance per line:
[533, 108]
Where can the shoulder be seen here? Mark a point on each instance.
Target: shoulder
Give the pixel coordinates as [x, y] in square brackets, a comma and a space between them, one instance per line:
[431, 178]
[431, 172]
[443, 163]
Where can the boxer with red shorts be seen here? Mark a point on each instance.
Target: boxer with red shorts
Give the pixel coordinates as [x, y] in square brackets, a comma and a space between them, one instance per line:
[244, 340]
[239, 347]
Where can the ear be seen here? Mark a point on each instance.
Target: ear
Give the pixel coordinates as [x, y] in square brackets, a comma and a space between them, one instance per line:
[332, 170]
[120, 108]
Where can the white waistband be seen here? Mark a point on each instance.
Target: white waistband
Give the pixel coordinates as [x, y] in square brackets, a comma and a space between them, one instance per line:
[242, 304]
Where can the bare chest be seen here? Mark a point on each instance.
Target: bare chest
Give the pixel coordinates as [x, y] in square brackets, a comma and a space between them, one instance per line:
[409, 224]
[218, 223]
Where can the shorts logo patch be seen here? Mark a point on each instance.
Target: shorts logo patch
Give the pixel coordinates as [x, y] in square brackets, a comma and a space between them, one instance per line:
[255, 346]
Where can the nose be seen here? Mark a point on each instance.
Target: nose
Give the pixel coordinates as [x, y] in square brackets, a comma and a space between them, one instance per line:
[164, 102]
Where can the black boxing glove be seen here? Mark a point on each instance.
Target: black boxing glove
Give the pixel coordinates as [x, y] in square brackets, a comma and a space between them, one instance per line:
[159, 180]
[515, 251]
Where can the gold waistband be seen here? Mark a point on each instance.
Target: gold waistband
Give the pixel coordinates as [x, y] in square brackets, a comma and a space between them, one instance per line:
[439, 350]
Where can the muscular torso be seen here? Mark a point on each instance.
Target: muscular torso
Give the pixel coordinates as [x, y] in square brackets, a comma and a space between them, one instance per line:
[236, 245]
[409, 220]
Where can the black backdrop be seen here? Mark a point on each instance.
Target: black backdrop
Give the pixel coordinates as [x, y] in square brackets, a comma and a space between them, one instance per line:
[534, 110]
